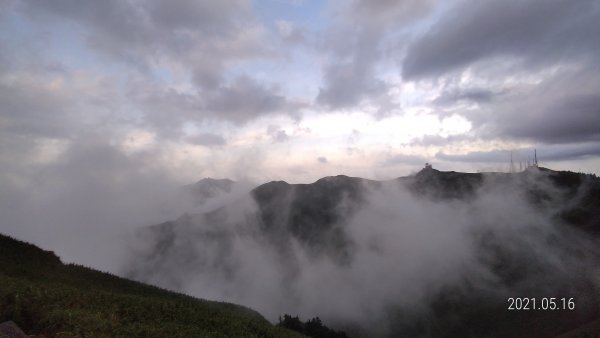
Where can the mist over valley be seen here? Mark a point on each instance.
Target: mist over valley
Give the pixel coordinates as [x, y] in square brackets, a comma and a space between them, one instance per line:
[434, 254]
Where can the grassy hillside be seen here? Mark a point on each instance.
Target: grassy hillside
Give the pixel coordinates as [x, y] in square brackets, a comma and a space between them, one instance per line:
[47, 298]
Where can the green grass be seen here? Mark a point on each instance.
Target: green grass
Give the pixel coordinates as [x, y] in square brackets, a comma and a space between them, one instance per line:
[49, 299]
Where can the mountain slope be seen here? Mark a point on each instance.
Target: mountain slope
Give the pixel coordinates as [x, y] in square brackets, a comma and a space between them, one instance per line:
[45, 297]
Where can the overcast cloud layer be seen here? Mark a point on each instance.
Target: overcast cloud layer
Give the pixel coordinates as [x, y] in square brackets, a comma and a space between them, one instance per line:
[163, 93]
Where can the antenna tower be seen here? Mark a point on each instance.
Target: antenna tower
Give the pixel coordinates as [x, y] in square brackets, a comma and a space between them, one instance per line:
[512, 167]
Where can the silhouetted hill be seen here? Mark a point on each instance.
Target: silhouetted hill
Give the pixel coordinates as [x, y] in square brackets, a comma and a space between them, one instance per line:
[579, 192]
[208, 188]
[311, 213]
[45, 297]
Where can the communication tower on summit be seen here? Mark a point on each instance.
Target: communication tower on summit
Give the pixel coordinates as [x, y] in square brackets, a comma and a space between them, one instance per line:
[512, 166]
[533, 163]
[529, 163]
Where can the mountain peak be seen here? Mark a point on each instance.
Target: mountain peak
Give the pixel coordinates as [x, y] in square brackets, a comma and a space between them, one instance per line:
[207, 188]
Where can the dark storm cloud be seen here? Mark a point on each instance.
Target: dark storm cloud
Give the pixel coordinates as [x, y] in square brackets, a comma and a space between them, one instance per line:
[207, 139]
[560, 108]
[575, 118]
[532, 68]
[534, 32]
[569, 152]
[357, 46]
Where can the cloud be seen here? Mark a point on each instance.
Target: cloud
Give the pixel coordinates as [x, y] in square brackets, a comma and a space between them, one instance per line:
[520, 71]
[322, 160]
[569, 152]
[143, 33]
[534, 33]
[437, 140]
[207, 139]
[32, 107]
[201, 37]
[204, 16]
[495, 156]
[48, 103]
[290, 32]
[84, 202]
[568, 119]
[559, 107]
[346, 85]
[464, 94]
[243, 100]
[277, 134]
[136, 42]
[357, 45]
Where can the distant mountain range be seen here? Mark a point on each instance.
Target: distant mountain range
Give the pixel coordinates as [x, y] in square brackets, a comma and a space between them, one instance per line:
[529, 234]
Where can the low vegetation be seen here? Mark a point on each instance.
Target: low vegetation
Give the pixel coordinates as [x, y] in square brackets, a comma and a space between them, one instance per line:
[46, 298]
[312, 328]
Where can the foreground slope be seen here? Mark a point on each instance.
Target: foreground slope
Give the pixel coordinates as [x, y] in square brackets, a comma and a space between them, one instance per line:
[45, 297]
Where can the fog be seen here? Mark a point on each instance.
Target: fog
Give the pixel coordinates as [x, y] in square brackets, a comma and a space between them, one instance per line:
[404, 249]
[87, 203]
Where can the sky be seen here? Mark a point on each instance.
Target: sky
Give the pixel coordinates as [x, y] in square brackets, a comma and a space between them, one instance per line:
[298, 89]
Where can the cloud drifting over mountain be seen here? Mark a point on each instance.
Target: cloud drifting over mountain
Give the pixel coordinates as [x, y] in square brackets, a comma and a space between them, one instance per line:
[380, 256]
